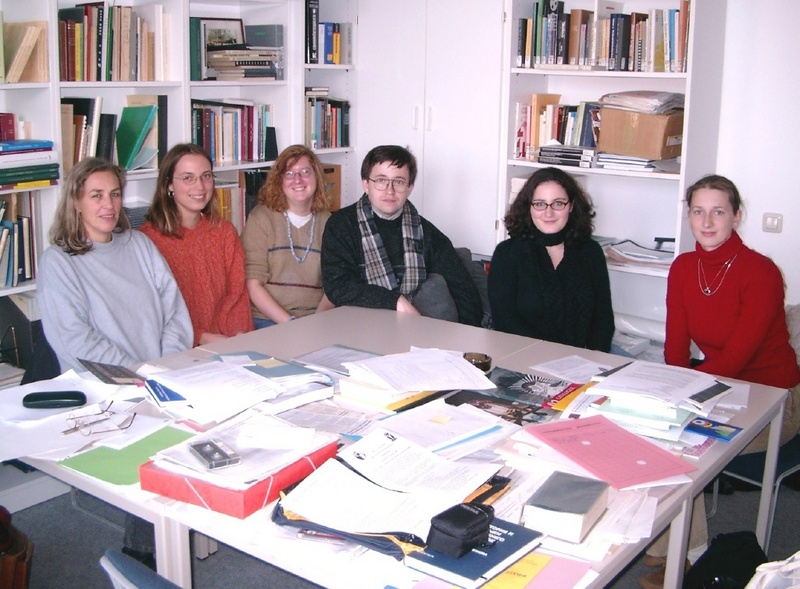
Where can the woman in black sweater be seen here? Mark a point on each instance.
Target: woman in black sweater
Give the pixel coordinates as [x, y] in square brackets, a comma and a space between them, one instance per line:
[549, 280]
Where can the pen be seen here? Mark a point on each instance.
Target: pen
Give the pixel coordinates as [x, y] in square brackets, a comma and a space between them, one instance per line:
[320, 536]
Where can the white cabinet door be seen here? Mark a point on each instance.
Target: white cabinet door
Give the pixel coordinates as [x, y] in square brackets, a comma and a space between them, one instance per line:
[429, 77]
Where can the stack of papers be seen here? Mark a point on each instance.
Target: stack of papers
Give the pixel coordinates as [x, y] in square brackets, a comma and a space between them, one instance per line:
[264, 443]
[389, 484]
[629, 252]
[420, 370]
[647, 101]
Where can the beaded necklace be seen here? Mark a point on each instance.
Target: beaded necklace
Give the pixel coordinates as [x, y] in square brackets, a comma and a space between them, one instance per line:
[707, 288]
[291, 241]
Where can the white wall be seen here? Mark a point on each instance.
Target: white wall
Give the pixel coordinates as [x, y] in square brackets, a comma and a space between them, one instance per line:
[760, 126]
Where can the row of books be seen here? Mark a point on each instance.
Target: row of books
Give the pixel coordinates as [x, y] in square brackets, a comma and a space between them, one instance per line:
[545, 120]
[100, 41]
[233, 130]
[327, 42]
[17, 248]
[137, 138]
[653, 41]
[23, 51]
[327, 122]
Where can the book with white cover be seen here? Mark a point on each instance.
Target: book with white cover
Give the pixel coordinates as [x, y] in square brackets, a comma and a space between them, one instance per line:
[566, 506]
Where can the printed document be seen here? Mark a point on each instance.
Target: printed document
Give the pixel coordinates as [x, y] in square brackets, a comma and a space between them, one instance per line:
[420, 370]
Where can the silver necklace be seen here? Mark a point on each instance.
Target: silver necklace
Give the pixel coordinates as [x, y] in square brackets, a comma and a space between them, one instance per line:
[708, 288]
[291, 241]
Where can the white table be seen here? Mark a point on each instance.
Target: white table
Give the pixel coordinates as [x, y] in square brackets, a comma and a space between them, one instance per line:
[390, 332]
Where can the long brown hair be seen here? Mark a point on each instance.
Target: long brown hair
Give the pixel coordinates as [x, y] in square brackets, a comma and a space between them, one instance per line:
[271, 193]
[67, 230]
[163, 212]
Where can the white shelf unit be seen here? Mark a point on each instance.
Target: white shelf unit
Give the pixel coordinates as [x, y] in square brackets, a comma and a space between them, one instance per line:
[38, 104]
[341, 81]
[629, 205]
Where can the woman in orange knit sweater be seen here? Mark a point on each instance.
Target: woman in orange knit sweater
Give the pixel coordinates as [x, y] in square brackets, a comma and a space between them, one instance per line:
[202, 249]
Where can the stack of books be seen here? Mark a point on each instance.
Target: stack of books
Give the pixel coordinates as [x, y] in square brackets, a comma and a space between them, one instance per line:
[611, 161]
[262, 63]
[27, 163]
[568, 155]
[632, 398]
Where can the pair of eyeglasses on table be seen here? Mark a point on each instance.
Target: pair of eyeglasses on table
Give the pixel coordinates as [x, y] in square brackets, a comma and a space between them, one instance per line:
[98, 422]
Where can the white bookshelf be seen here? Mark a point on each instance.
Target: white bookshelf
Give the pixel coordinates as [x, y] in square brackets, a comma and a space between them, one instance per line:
[629, 205]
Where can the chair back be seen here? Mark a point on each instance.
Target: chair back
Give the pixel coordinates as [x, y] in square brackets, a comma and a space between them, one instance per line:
[128, 573]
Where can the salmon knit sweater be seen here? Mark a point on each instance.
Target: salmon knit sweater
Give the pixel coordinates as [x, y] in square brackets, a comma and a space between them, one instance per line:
[208, 264]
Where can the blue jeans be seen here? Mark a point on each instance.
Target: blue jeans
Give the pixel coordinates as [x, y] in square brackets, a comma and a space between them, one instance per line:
[259, 323]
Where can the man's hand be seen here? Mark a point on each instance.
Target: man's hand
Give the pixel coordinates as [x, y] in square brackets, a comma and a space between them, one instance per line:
[404, 306]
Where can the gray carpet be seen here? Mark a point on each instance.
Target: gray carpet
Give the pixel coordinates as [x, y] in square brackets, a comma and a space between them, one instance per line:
[68, 545]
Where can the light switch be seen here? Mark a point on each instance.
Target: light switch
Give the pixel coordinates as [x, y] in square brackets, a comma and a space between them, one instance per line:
[772, 223]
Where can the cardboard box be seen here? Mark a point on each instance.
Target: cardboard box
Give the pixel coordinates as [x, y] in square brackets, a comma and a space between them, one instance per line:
[333, 178]
[655, 137]
[238, 503]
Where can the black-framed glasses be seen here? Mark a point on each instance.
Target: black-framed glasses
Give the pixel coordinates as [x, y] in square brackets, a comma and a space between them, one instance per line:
[303, 173]
[398, 184]
[191, 179]
[556, 205]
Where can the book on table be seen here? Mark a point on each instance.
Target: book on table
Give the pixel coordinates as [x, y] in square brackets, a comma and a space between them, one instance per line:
[525, 388]
[566, 506]
[508, 542]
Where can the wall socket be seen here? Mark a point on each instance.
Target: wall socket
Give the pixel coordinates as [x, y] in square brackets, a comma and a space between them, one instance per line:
[772, 222]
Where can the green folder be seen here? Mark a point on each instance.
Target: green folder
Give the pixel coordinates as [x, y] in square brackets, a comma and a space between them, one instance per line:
[134, 123]
[121, 467]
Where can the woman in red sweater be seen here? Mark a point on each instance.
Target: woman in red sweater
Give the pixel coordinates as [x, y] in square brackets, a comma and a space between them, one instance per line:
[727, 299]
[202, 249]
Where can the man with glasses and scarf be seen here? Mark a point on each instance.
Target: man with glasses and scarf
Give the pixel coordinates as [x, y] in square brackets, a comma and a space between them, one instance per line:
[380, 253]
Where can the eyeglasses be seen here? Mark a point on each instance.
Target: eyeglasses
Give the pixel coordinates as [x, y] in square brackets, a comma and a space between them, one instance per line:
[557, 205]
[398, 184]
[191, 179]
[90, 423]
[303, 173]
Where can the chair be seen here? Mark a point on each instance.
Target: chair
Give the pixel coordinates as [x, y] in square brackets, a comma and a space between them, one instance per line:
[128, 573]
[750, 467]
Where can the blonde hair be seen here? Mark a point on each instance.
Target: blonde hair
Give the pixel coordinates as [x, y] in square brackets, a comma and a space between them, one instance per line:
[67, 230]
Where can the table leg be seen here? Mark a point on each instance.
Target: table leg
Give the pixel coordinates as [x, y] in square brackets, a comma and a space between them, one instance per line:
[768, 482]
[678, 541]
[173, 555]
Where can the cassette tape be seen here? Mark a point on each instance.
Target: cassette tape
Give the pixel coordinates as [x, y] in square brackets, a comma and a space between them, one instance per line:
[214, 454]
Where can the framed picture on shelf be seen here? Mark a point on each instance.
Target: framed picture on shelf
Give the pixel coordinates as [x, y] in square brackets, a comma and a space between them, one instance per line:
[223, 33]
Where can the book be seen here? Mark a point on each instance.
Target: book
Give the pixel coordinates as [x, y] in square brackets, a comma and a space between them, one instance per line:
[508, 542]
[263, 35]
[156, 138]
[566, 506]
[515, 412]
[134, 124]
[521, 387]
[14, 145]
[19, 40]
[713, 429]
[89, 108]
[106, 136]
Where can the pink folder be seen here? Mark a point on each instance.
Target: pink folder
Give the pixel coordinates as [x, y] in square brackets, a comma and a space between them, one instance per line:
[608, 451]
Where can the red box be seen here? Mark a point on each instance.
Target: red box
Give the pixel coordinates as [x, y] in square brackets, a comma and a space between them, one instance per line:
[238, 503]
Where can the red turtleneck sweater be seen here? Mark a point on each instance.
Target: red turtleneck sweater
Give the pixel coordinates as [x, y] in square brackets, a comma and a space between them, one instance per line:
[741, 327]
